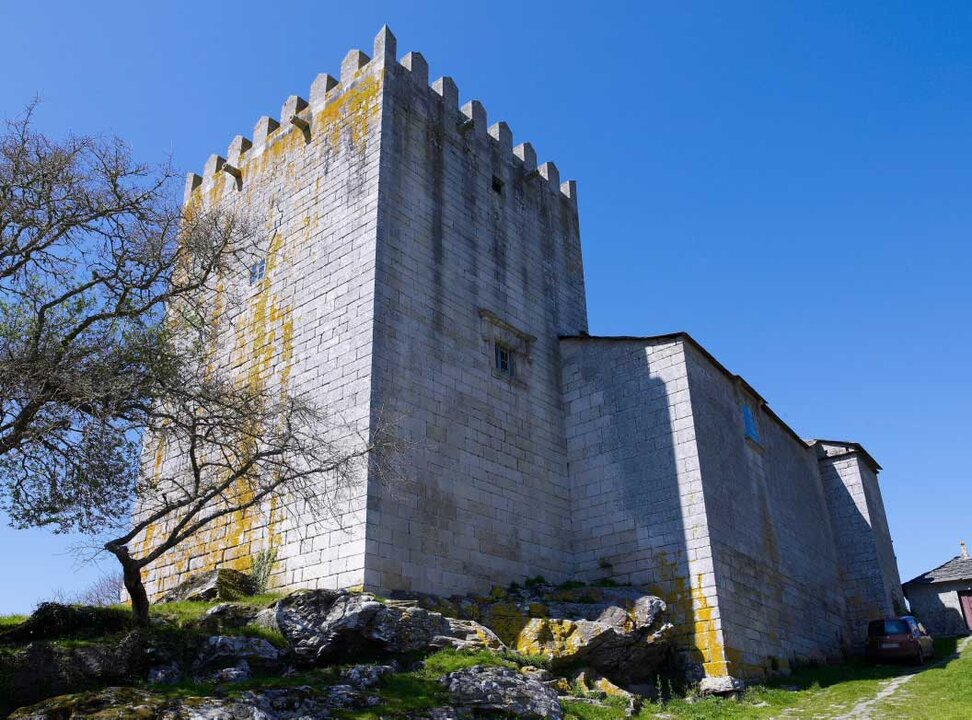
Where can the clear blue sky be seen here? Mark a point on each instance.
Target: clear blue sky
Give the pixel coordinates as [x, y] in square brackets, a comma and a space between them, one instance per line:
[789, 182]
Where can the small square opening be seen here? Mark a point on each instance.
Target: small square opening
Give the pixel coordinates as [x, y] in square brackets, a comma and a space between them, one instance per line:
[505, 360]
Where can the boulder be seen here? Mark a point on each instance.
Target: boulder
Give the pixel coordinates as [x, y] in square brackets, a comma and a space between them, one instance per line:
[323, 625]
[228, 616]
[620, 631]
[365, 677]
[221, 652]
[220, 584]
[626, 655]
[485, 689]
[721, 685]
[592, 682]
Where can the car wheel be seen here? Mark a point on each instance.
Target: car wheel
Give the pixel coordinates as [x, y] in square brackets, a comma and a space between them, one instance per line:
[920, 657]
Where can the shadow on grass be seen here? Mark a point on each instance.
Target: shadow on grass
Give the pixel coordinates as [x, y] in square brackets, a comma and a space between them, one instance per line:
[824, 676]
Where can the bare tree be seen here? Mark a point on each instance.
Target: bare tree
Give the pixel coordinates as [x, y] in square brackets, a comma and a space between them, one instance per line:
[106, 590]
[110, 335]
[92, 249]
[237, 446]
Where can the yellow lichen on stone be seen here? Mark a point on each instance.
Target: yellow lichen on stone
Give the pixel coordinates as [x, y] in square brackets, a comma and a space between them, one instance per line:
[691, 610]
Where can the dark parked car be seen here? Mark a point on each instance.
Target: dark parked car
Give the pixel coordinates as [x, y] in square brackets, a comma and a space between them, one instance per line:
[900, 638]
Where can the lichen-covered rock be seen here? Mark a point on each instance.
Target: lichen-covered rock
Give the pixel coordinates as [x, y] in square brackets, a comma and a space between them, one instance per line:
[501, 690]
[299, 703]
[44, 669]
[591, 681]
[228, 616]
[365, 677]
[164, 674]
[626, 655]
[222, 652]
[322, 625]
[220, 584]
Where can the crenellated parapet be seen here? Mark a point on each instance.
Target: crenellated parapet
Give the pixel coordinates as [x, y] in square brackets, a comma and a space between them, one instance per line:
[297, 115]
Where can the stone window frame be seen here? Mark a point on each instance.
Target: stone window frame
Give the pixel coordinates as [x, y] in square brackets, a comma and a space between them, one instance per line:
[497, 333]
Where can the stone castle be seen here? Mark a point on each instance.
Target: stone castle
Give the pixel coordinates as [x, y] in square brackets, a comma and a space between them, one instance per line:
[420, 267]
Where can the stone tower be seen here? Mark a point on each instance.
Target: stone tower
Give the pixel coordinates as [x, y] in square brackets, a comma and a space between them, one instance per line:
[417, 267]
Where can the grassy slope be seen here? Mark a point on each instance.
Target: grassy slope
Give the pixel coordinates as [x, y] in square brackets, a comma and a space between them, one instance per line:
[828, 692]
[942, 692]
[809, 693]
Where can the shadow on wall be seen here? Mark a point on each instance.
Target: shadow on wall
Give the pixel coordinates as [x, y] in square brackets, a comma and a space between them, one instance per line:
[939, 610]
[630, 471]
[865, 594]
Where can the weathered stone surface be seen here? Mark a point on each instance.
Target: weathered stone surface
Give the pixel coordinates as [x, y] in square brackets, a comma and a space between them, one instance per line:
[502, 690]
[165, 674]
[591, 681]
[221, 584]
[228, 616]
[628, 656]
[619, 631]
[222, 651]
[365, 677]
[300, 703]
[322, 625]
[42, 670]
[721, 685]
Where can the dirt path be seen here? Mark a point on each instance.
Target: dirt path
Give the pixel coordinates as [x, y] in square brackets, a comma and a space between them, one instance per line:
[862, 710]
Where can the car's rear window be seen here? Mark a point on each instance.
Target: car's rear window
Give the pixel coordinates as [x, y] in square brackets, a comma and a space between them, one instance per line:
[887, 627]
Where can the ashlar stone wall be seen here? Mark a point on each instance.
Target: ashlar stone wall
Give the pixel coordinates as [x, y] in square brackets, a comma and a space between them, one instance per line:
[637, 502]
[776, 566]
[307, 324]
[477, 247]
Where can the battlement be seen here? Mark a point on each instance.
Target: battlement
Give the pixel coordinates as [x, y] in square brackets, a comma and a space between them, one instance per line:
[297, 115]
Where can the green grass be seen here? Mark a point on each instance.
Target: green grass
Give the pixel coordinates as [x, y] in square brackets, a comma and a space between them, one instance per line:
[405, 692]
[272, 636]
[9, 621]
[824, 692]
[946, 688]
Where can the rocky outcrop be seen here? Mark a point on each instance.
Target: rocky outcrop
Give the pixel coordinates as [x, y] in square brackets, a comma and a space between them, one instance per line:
[236, 654]
[619, 637]
[502, 690]
[625, 655]
[324, 625]
[619, 631]
[221, 584]
[130, 704]
[42, 669]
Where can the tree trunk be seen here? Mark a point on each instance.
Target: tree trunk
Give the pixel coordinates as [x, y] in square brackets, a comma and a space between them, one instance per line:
[132, 576]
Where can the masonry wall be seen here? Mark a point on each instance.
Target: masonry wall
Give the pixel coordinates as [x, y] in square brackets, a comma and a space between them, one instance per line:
[636, 491]
[869, 573]
[938, 607]
[775, 562]
[475, 247]
[307, 325]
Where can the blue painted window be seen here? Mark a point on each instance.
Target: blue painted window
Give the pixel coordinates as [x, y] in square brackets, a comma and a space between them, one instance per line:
[749, 420]
[257, 271]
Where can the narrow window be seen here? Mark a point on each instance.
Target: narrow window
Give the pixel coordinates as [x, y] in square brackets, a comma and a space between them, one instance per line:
[257, 271]
[505, 361]
[497, 185]
[749, 420]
